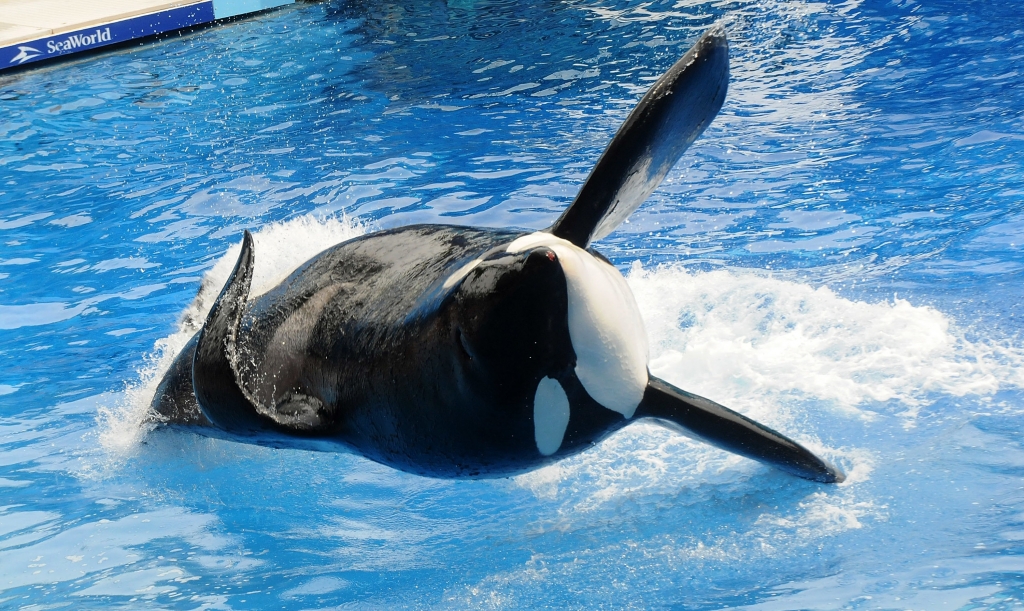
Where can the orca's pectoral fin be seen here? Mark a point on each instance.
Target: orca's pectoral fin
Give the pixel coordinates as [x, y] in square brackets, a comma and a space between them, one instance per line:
[670, 116]
[723, 428]
[214, 379]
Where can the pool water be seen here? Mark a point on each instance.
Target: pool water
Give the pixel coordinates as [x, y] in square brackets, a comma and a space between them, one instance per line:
[838, 256]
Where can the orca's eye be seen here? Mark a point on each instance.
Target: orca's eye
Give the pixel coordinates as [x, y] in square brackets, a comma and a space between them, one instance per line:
[540, 254]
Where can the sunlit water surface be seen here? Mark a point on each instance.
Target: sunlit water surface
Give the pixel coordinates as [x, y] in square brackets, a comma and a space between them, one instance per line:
[838, 256]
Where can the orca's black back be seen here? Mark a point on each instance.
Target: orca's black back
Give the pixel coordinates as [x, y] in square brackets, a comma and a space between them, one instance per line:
[365, 331]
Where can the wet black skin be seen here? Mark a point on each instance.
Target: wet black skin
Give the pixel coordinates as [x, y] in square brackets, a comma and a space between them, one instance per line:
[389, 363]
[365, 348]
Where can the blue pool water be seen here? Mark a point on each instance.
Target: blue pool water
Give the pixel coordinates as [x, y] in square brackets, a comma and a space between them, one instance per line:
[838, 256]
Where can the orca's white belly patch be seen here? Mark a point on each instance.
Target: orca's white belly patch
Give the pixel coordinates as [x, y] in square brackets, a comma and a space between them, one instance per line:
[605, 326]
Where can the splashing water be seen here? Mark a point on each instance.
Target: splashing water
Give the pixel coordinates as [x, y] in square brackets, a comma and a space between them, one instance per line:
[744, 336]
[280, 249]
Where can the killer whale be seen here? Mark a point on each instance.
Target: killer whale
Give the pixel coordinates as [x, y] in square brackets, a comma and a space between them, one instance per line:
[452, 351]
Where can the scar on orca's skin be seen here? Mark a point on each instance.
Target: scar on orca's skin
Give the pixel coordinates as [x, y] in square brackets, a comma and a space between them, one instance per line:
[454, 351]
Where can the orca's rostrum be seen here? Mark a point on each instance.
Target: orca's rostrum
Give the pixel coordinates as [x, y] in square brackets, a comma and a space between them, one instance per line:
[456, 351]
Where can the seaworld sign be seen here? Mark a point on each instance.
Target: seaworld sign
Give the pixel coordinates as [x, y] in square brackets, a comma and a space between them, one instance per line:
[64, 43]
[57, 44]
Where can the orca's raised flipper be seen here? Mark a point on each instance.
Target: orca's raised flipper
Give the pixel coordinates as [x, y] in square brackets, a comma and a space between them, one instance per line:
[214, 379]
[671, 115]
[721, 427]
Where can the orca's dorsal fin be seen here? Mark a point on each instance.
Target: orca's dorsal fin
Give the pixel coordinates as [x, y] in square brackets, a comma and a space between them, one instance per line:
[671, 115]
[721, 427]
[214, 379]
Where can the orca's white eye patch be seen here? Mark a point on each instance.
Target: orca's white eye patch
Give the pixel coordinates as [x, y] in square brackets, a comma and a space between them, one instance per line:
[550, 416]
[605, 326]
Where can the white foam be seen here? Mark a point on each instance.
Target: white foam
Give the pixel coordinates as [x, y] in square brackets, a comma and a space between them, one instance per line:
[550, 416]
[605, 326]
[735, 335]
[280, 248]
